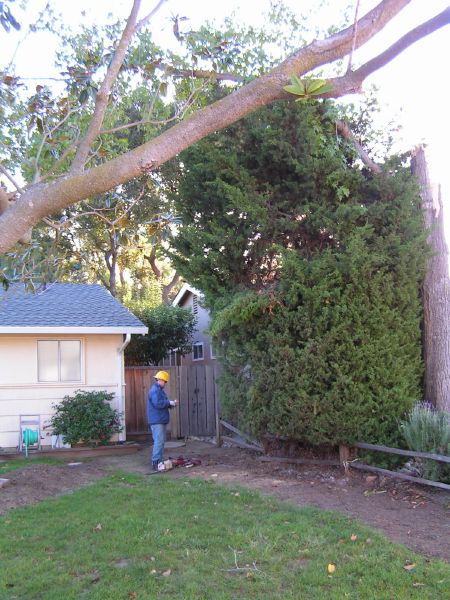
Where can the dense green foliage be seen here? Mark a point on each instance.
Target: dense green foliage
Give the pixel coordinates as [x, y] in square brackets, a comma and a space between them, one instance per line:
[312, 268]
[86, 417]
[428, 430]
[169, 328]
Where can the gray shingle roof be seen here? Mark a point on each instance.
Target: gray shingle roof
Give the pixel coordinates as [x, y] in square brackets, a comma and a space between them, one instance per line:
[65, 305]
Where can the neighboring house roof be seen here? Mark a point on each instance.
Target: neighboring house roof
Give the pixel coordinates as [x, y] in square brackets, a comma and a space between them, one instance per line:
[65, 308]
[186, 289]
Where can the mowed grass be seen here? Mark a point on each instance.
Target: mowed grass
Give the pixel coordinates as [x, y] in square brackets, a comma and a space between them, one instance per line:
[129, 536]
[18, 463]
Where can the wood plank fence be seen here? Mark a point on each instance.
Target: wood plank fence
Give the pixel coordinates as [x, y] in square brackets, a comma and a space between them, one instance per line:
[195, 386]
[138, 381]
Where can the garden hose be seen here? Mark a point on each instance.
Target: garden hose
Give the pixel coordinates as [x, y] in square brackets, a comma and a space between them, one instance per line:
[29, 437]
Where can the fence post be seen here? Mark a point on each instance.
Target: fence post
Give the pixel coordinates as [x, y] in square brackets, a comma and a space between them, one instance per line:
[218, 425]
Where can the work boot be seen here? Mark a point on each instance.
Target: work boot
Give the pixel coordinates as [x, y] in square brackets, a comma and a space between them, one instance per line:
[155, 465]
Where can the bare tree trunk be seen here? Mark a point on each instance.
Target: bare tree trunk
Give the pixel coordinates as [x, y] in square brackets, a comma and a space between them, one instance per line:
[111, 263]
[167, 289]
[436, 292]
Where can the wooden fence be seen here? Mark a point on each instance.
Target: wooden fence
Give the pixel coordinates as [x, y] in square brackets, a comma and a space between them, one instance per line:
[198, 397]
[345, 454]
[193, 385]
[138, 381]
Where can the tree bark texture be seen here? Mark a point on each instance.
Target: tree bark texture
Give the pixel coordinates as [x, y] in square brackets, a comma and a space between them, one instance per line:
[436, 292]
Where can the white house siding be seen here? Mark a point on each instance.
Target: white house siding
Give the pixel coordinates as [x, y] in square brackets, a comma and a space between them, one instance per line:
[22, 394]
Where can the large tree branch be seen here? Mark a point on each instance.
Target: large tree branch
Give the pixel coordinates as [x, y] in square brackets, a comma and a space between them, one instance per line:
[43, 199]
[404, 42]
[102, 97]
[151, 258]
[167, 289]
[347, 133]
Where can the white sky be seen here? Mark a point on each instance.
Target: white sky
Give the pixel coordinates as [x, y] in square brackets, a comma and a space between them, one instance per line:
[414, 88]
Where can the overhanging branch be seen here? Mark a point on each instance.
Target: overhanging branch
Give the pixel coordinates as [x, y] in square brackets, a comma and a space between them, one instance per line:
[43, 199]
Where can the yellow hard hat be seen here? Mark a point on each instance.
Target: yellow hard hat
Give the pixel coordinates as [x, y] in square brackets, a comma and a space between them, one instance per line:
[164, 375]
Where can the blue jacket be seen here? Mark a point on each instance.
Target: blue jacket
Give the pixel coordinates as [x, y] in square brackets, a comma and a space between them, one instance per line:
[157, 405]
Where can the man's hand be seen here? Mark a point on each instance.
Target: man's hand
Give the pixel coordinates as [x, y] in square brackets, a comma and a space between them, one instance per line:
[173, 402]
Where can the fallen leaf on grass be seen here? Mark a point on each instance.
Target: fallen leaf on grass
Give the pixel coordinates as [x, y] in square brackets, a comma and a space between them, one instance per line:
[417, 584]
[331, 568]
[166, 573]
[249, 575]
[409, 567]
[132, 594]
[353, 537]
[98, 527]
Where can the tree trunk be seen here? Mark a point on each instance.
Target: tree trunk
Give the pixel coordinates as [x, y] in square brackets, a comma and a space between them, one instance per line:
[436, 292]
[111, 262]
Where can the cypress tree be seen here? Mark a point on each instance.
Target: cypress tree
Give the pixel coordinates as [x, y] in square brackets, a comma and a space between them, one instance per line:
[311, 266]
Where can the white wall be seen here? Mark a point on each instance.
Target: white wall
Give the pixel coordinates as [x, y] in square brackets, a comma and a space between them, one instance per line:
[22, 394]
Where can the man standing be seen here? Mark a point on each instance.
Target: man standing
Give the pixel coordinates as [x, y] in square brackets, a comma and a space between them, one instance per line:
[158, 415]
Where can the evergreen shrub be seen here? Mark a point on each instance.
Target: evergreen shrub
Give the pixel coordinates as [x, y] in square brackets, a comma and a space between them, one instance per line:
[312, 267]
[86, 417]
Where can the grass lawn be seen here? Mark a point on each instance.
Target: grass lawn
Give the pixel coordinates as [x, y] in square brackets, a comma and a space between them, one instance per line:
[130, 536]
[18, 463]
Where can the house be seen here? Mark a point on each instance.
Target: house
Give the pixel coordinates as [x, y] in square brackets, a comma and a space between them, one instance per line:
[202, 349]
[65, 338]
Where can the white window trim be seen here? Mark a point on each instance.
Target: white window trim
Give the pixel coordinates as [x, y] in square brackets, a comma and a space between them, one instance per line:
[203, 351]
[212, 354]
[59, 382]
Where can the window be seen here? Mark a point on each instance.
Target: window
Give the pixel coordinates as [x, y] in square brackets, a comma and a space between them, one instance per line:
[197, 351]
[212, 351]
[59, 360]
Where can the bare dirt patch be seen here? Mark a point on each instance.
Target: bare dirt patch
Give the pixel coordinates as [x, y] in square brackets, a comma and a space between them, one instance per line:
[406, 513]
[29, 485]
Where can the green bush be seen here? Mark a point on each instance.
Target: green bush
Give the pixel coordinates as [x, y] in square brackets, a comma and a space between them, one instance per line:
[169, 328]
[86, 417]
[428, 430]
[312, 268]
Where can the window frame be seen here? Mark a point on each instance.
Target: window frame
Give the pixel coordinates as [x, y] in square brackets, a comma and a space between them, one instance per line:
[59, 381]
[198, 344]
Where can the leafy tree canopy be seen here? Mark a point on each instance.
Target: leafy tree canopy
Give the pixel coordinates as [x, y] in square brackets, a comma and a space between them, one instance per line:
[70, 146]
[312, 268]
[169, 328]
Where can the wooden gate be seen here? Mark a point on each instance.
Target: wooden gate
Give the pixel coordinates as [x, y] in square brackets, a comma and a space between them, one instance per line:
[138, 380]
[198, 400]
[193, 385]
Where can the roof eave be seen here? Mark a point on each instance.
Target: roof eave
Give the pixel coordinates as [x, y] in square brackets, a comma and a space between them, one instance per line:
[9, 329]
[186, 289]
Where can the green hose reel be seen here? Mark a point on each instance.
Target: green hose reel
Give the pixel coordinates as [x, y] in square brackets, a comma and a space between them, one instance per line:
[30, 437]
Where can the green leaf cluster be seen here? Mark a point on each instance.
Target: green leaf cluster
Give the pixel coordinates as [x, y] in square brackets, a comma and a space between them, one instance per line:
[307, 87]
[312, 269]
[86, 417]
[169, 328]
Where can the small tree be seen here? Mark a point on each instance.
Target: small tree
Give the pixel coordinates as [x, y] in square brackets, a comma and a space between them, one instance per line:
[169, 328]
[86, 417]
